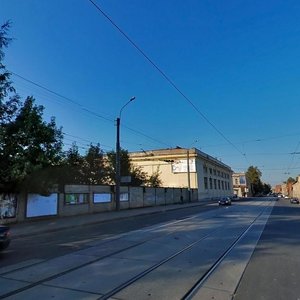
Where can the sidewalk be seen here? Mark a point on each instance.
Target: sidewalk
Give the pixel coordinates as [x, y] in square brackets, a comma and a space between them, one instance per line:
[35, 226]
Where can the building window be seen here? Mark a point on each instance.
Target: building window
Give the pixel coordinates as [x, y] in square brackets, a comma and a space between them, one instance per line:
[215, 183]
[205, 183]
[222, 185]
[215, 172]
[210, 170]
[236, 181]
[71, 199]
[219, 184]
[210, 183]
[205, 169]
[218, 173]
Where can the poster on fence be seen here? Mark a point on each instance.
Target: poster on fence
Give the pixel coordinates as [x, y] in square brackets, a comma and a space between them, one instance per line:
[8, 206]
[38, 205]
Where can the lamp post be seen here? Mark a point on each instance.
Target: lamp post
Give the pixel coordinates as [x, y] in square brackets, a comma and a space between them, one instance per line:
[118, 156]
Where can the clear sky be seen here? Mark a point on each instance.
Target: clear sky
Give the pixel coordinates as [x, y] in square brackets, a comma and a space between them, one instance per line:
[235, 65]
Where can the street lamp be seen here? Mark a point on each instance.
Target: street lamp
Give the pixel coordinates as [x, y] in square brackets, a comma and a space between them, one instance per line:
[118, 157]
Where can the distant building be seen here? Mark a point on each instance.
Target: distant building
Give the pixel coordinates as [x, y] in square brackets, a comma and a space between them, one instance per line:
[296, 188]
[241, 187]
[278, 189]
[210, 176]
[284, 189]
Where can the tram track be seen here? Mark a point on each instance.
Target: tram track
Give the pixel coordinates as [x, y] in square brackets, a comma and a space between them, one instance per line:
[188, 294]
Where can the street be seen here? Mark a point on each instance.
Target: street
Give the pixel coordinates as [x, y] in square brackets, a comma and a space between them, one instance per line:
[205, 252]
[274, 269]
[52, 244]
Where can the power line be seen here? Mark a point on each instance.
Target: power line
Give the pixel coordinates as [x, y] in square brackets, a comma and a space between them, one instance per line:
[63, 97]
[293, 158]
[165, 76]
[73, 102]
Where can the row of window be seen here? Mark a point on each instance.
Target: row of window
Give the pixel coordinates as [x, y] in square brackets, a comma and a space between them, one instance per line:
[215, 172]
[216, 184]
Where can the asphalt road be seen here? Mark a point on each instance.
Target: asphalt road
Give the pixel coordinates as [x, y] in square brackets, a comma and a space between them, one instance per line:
[169, 260]
[273, 272]
[53, 244]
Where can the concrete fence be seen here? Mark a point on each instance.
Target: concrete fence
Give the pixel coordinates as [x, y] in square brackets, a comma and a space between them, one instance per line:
[87, 199]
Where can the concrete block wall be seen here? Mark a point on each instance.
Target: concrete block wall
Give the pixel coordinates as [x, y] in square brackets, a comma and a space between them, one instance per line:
[102, 199]
[149, 197]
[160, 196]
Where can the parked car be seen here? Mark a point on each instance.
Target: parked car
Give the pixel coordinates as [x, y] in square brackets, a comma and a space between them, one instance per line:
[294, 200]
[225, 201]
[4, 237]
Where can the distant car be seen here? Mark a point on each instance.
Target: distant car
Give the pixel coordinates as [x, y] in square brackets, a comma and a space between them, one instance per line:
[4, 237]
[225, 201]
[234, 197]
[294, 200]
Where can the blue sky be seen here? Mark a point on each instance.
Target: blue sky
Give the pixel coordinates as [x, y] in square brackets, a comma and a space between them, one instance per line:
[236, 62]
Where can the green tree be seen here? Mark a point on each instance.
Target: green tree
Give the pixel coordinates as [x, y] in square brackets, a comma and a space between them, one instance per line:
[291, 180]
[71, 167]
[266, 188]
[253, 175]
[83, 169]
[27, 143]
[138, 177]
[94, 170]
[154, 180]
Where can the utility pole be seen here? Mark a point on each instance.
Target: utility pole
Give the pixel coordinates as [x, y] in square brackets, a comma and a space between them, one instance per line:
[118, 157]
[118, 166]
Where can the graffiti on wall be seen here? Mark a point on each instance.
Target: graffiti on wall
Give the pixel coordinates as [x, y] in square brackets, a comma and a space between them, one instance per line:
[8, 206]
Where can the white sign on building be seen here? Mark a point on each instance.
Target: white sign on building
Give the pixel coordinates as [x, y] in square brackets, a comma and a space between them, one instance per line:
[180, 166]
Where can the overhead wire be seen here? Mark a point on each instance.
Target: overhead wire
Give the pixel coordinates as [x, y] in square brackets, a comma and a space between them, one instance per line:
[292, 159]
[164, 75]
[73, 102]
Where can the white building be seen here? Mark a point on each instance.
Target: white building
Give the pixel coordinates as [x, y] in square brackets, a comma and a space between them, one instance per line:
[210, 176]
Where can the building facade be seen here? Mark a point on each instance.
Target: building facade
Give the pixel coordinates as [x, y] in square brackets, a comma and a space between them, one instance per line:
[296, 188]
[210, 176]
[241, 188]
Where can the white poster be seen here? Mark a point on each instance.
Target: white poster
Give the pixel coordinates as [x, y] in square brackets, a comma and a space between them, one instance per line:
[180, 166]
[38, 205]
[124, 197]
[102, 198]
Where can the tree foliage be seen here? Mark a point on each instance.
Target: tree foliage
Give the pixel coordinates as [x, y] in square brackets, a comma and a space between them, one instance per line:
[154, 180]
[291, 180]
[28, 144]
[84, 169]
[253, 175]
[31, 156]
[138, 177]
